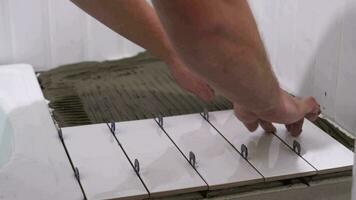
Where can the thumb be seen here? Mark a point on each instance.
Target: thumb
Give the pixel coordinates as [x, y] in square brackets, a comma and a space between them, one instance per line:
[310, 108]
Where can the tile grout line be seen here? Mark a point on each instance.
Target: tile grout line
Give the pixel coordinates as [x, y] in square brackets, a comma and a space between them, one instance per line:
[123, 150]
[285, 143]
[182, 153]
[71, 162]
[264, 179]
[128, 158]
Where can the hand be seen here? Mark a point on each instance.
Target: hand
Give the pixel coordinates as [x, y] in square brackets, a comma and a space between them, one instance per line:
[289, 111]
[190, 82]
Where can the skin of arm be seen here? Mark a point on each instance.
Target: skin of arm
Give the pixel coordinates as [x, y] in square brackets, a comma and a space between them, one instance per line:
[220, 41]
[137, 21]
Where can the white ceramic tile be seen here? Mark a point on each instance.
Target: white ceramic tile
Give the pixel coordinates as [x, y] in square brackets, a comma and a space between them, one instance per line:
[67, 34]
[284, 42]
[345, 106]
[6, 51]
[35, 164]
[29, 28]
[266, 152]
[217, 161]
[319, 149]
[49, 33]
[265, 16]
[328, 26]
[104, 169]
[304, 43]
[162, 167]
[108, 47]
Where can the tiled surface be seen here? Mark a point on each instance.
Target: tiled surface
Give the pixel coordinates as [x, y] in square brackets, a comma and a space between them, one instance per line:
[319, 149]
[104, 170]
[163, 169]
[36, 32]
[266, 152]
[217, 161]
[37, 166]
[316, 44]
[345, 102]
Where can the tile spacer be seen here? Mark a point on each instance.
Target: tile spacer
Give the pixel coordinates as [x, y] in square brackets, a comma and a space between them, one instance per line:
[60, 134]
[206, 114]
[137, 166]
[160, 120]
[192, 159]
[76, 173]
[296, 147]
[112, 127]
[244, 151]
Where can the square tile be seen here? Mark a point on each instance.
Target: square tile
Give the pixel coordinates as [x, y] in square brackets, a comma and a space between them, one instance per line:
[218, 162]
[105, 171]
[267, 153]
[319, 149]
[163, 168]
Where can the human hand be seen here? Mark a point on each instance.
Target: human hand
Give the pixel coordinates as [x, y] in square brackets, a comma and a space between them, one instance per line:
[191, 82]
[290, 111]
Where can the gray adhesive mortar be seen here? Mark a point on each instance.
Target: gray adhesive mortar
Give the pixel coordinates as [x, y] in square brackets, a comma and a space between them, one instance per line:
[129, 89]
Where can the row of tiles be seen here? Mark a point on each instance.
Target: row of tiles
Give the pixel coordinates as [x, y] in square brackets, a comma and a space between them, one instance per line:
[163, 154]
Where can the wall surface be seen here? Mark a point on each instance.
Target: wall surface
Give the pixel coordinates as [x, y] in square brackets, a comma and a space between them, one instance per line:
[312, 47]
[311, 44]
[48, 33]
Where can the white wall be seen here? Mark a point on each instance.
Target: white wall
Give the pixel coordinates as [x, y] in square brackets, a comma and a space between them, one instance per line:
[312, 47]
[48, 33]
[311, 43]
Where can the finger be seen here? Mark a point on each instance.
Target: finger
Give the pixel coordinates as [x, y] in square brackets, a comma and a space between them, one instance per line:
[249, 119]
[205, 92]
[293, 109]
[313, 115]
[311, 108]
[267, 126]
[244, 115]
[252, 126]
[295, 129]
[288, 127]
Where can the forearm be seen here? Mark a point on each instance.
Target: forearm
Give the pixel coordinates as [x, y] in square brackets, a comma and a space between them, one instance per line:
[219, 40]
[134, 19]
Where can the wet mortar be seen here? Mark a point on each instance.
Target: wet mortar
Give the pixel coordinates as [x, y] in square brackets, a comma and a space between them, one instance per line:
[129, 89]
